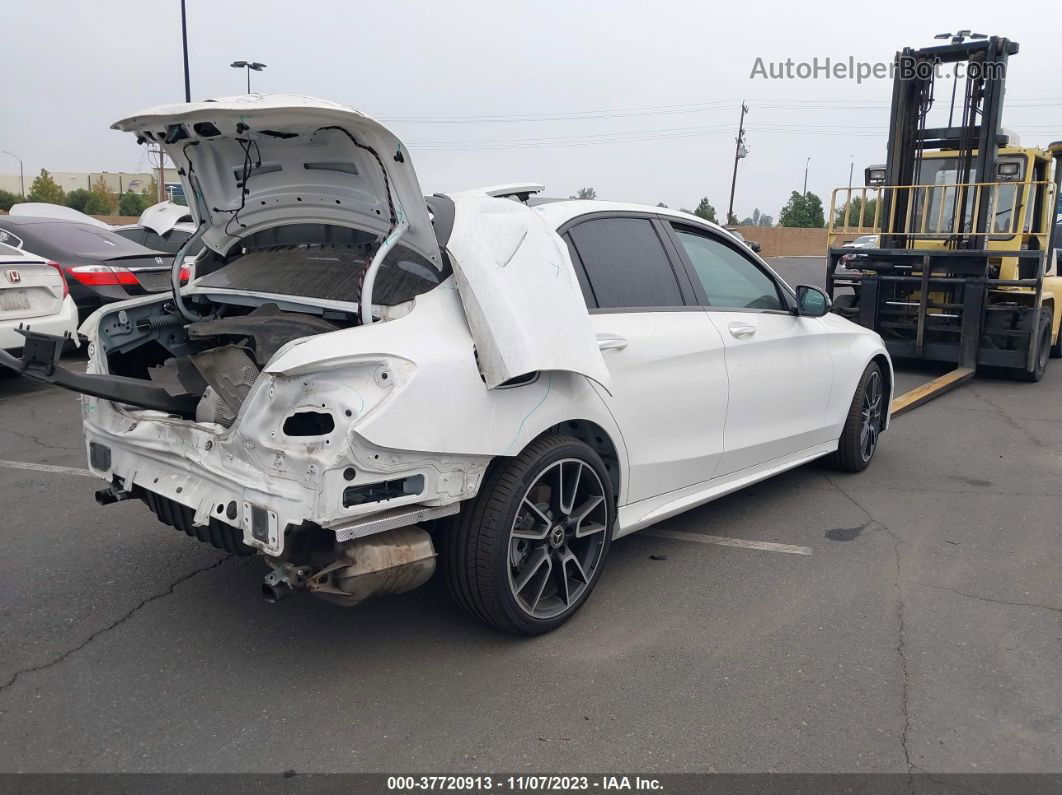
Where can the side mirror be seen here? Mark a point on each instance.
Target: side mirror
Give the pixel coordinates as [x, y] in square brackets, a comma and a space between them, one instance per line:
[811, 301]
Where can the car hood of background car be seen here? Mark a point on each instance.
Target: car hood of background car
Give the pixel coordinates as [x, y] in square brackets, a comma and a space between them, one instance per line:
[251, 162]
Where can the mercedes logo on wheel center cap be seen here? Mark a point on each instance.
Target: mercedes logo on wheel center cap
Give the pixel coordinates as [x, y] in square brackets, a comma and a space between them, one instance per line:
[556, 536]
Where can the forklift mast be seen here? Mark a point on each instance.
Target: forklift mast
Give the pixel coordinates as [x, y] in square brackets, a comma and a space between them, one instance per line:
[975, 139]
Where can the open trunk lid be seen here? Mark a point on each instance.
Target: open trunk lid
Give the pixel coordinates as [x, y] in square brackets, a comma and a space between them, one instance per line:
[257, 161]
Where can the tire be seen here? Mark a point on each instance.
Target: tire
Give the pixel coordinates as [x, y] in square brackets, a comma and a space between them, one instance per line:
[856, 449]
[1056, 349]
[510, 559]
[1043, 353]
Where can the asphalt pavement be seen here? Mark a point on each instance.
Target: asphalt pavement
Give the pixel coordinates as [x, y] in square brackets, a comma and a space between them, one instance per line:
[922, 632]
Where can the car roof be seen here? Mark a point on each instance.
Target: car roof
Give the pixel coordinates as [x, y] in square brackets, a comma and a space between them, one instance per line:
[563, 210]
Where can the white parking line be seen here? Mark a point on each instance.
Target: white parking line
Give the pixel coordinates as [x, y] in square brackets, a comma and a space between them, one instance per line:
[723, 541]
[46, 468]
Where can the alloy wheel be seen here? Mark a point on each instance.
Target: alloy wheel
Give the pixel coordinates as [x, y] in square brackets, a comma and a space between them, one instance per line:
[870, 425]
[557, 539]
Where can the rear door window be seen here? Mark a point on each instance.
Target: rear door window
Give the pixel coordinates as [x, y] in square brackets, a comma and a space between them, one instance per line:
[626, 263]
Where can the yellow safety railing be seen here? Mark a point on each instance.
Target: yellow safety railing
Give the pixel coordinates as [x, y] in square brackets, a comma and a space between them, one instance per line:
[941, 212]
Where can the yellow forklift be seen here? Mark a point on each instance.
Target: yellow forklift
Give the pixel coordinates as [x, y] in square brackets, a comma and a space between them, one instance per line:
[964, 268]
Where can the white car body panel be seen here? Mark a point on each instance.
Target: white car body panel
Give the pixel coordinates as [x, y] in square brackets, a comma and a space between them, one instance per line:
[520, 294]
[32, 296]
[678, 355]
[780, 381]
[56, 211]
[164, 216]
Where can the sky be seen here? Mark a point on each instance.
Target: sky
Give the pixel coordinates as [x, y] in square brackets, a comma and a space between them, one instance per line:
[637, 100]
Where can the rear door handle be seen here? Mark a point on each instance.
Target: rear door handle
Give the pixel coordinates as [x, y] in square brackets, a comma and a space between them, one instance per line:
[614, 342]
[741, 331]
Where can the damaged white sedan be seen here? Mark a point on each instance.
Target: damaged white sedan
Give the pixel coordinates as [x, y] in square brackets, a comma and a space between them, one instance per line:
[357, 379]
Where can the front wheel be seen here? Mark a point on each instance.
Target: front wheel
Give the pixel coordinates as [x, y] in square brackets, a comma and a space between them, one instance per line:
[525, 554]
[859, 439]
[1043, 350]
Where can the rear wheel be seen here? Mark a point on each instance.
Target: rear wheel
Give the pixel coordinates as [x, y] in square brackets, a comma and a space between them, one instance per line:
[859, 439]
[1056, 349]
[525, 554]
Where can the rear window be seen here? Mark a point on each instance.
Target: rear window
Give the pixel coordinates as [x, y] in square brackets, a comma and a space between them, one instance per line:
[328, 271]
[626, 263]
[61, 241]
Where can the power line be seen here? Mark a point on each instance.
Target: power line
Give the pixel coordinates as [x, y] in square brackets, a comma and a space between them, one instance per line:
[658, 110]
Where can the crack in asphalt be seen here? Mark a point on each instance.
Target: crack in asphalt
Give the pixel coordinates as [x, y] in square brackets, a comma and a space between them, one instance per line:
[37, 440]
[1012, 421]
[114, 624]
[985, 598]
[901, 646]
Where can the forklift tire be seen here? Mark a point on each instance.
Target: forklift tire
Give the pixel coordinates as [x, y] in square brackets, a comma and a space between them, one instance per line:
[1056, 349]
[859, 439]
[1043, 352]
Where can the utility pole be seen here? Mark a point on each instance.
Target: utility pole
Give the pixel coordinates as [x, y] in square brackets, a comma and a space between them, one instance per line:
[739, 152]
[162, 175]
[851, 168]
[806, 175]
[184, 41]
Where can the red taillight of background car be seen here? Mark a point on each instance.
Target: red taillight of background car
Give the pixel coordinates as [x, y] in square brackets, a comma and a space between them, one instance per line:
[186, 271]
[62, 276]
[102, 275]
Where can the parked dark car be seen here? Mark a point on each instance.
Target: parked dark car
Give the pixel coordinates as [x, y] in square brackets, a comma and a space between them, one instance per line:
[99, 265]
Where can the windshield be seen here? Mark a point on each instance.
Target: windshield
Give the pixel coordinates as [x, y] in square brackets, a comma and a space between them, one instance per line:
[940, 216]
[865, 239]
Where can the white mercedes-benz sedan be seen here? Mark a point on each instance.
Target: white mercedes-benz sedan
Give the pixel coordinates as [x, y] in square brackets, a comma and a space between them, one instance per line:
[358, 379]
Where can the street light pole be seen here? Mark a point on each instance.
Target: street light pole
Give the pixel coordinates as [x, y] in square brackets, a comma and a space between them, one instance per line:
[184, 41]
[249, 66]
[851, 168]
[21, 175]
[806, 176]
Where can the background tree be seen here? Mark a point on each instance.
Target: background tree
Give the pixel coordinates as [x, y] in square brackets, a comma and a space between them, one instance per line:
[77, 199]
[758, 219]
[584, 193]
[705, 210]
[661, 204]
[102, 200]
[132, 203]
[7, 198]
[802, 210]
[46, 189]
[853, 213]
[151, 192]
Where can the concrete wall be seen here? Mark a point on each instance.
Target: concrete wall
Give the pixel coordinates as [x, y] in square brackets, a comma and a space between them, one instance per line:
[786, 241]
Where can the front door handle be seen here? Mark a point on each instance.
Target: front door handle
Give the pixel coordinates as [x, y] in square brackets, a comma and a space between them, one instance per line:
[611, 342]
[741, 331]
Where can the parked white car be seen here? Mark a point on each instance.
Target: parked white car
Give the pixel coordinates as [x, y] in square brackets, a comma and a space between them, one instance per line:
[165, 226]
[358, 377]
[34, 295]
[863, 241]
